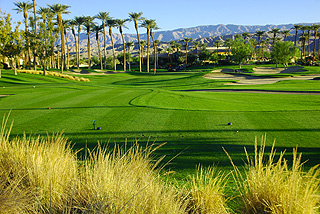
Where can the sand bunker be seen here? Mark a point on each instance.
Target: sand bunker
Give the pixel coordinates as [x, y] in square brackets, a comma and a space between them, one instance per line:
[5, 95]
[240, 79]
[270, 70]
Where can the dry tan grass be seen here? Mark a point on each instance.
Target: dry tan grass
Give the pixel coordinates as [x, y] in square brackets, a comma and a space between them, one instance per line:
[126, 181]
[269, 185]
[55, 74]
[44, 169]
[40, 175]
[206, 192]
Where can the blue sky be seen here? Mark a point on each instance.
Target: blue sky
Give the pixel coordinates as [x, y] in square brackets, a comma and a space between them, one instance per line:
[173, 14]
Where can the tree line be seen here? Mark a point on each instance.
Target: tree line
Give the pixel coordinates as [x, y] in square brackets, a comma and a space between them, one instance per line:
[46, 27]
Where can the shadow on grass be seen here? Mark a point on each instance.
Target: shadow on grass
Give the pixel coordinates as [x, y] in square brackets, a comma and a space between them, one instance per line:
[188, 148]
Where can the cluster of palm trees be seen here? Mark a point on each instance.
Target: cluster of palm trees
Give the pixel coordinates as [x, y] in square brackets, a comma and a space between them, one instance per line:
[307, 32]
[53, 22]
[50, 20]
[263, 40]
[271, 37]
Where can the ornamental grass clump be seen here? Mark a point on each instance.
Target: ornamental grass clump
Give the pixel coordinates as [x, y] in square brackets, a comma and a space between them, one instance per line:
[40, 172]
[207, 192]
[125, 181]
[55, 74]
[44, 176]
[269, 185]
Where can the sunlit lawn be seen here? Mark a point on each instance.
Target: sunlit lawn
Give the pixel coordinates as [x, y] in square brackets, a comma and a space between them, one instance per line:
[156, 108]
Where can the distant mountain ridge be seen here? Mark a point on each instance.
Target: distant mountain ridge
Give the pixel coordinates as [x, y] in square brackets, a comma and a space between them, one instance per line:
[205, 33]
[195, 32]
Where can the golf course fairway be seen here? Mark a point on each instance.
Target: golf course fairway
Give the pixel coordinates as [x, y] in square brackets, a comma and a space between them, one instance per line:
[180, 109]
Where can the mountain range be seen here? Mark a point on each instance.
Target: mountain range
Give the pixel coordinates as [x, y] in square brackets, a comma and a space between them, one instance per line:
[204, 34]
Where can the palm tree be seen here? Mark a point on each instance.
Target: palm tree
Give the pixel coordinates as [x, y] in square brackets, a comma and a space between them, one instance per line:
[154, 26]
[56, 33]
[88, 24]
[187, 40]
[72, 24]
[121, 24]
[129, 45]
[45, 14]
[218, 43]
[245, 35]
[286, 33]
[24, 7]
[228, 44]
[157, 50]
[79, 21]
[104, 16]
[203, 46]
[297, 28]
[58, 10]
[173, 44]
[196, 45]
[177, 46]
[112, 23]
[308, 38]
[315, 29]
[97, 29]
[169, 51]
[66, 26]
[35, 30]
[148, 23]
[142, 44]
[303, 39]
[264, 46]
[259, 33]
[274, 31]
[135, 17]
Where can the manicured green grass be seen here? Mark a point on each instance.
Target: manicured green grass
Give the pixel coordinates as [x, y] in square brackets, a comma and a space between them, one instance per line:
[147, 107]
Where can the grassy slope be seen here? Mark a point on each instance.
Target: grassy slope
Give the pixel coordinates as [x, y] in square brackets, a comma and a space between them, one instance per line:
[141, 106]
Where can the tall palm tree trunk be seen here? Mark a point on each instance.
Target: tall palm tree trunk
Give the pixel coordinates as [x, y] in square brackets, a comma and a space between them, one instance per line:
[124, 51]
[104, 45]
[315, 43]
[154, 52]
[63, 62]
[89, 50]
[78, 50]
[63, 52]
[58, 57]
[28, 43]
[68, 55]
[136, 27]
[295, 37]
[113, 52]
[76, 45]
[129, 58]
[99, 50]
[35, 33]
[148, 45]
